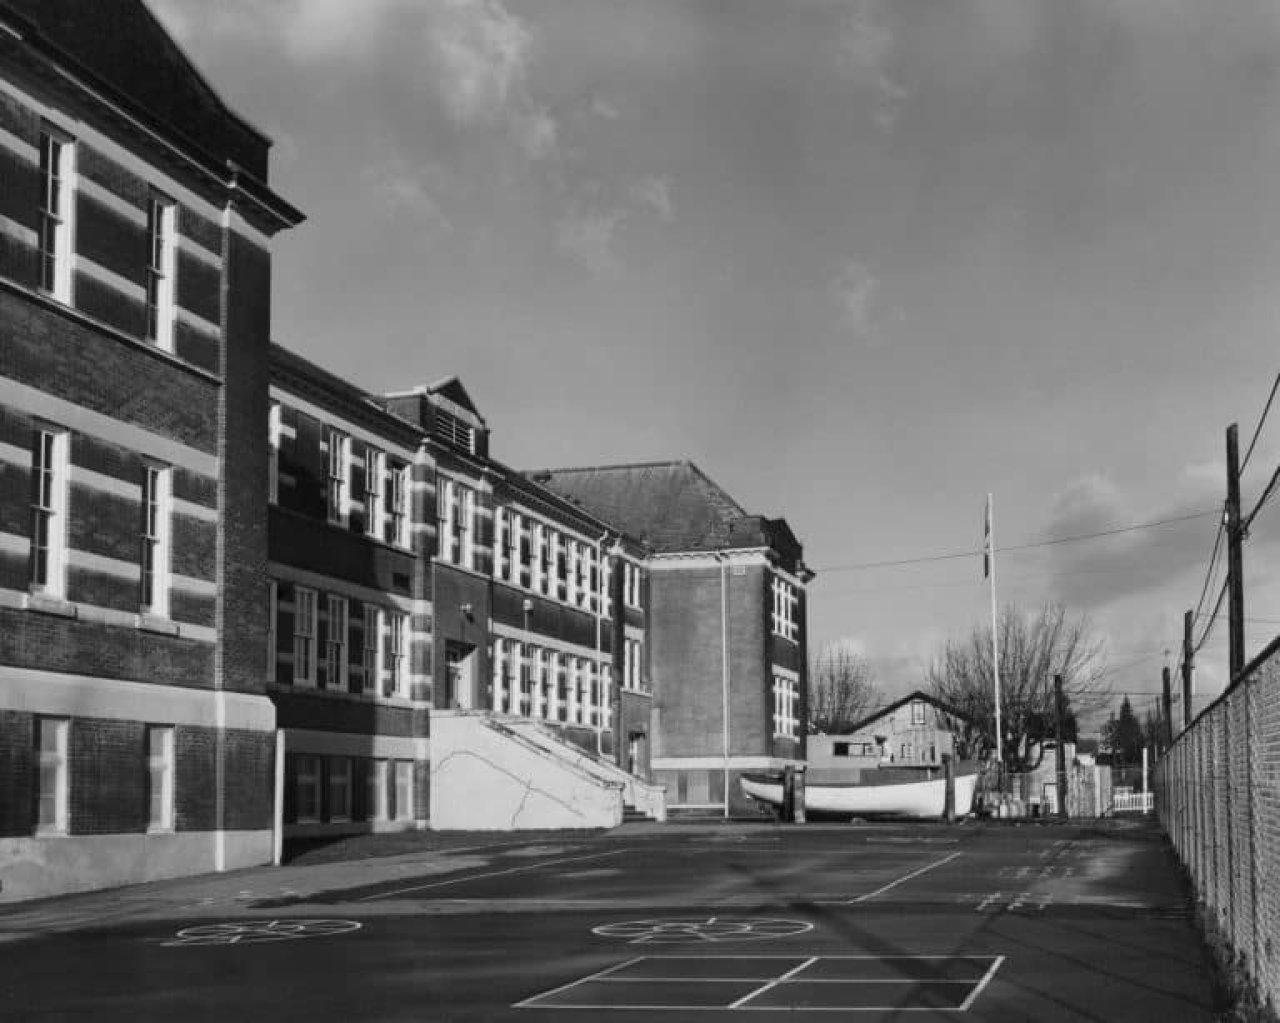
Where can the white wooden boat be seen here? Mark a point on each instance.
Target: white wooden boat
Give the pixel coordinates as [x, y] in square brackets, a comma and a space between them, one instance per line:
[892, 798]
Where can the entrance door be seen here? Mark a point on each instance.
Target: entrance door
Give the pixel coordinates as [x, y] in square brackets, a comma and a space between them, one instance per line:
[635, 754]
[459, 676]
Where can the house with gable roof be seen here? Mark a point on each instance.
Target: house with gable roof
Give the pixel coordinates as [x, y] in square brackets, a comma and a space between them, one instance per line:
[916, 731]
[726, 637]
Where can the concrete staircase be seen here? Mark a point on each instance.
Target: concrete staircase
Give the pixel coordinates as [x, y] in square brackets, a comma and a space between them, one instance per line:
[491, 772]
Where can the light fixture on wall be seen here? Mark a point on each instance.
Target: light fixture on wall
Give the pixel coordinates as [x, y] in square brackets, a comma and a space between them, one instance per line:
[467, 612]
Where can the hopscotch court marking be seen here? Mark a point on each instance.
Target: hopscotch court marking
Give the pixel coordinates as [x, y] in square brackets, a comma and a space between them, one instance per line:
[794, 983]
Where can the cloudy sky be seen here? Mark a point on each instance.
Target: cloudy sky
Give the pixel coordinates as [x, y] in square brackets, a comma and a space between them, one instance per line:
[862, 262]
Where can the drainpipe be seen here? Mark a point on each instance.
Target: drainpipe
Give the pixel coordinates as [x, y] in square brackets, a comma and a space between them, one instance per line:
[599, 595]
[724, 669]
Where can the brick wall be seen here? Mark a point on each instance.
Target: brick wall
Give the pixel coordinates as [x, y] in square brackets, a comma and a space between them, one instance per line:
[108, 765]
[55, 352]
[17, 772]
[53, 643]
[685, 647]
[248, 770]
[1218, 797]
[241, 609]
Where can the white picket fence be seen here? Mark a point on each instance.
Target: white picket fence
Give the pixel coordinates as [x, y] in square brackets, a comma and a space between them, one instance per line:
[1132, 802]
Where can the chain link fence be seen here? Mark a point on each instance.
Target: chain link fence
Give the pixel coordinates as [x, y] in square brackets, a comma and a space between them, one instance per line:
[1218, 797]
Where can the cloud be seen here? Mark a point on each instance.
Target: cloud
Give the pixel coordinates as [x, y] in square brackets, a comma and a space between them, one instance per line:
[866, 50]
[300, 29]
[588, 237]
[407, 189]
[601, 107]
[856, 292]
[654, 193]
[1097, 572]
[482, 55]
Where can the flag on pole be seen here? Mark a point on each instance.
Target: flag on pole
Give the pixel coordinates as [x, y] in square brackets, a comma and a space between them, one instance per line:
[986, 542]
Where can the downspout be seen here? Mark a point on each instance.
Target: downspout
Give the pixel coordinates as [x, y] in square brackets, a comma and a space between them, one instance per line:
[599, 595]
[724, 669]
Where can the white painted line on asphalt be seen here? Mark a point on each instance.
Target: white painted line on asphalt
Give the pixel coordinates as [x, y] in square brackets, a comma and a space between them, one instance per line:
[773, 983]
[528, 1002]
[491, 873]
[891, 884]
[982, 984]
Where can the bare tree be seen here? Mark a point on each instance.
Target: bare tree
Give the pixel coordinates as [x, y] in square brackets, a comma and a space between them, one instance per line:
[1033, 649]
[841, 690]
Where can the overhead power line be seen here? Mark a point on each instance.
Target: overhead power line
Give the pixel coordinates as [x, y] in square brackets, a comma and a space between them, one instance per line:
[1018, 547]
[1257, 430]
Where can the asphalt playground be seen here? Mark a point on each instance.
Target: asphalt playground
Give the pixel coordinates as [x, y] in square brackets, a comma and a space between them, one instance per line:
[645, 923]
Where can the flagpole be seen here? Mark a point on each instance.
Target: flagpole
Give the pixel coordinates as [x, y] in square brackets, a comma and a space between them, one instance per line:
[995, 643]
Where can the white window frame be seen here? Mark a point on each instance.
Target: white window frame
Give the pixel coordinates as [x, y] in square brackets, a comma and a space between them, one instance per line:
[52, 756]
[160, 770]
[786, 706]
[305, 611]
[397, 505]
[403, 780]
[50, 449]
[376, 486]
[310, 778]
[336, 642]
[156, 541]
[337, 479]
[785, 601]
[396, 653]
[57, 212]
[162, 219]
[606, 586]
[631, 585]
[467, 527]
[501, 530]
[917, 712]
[274, 423]
[371, 651]
[340, 780]
[448, 498]
[501, 687]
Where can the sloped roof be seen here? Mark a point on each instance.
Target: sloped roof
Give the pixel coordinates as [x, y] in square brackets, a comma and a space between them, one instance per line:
[672, 506]
[909, 698]
[122, 44]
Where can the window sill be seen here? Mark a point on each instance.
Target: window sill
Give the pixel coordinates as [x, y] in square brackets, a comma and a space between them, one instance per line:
[46, 604]
[149, 622]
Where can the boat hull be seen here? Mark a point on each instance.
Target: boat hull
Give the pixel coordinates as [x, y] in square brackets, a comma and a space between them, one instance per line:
[920, 799]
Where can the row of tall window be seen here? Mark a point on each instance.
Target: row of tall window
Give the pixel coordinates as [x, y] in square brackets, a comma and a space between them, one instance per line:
[384, 500]
[786, 601]
[50, 483]
[54, 776]
[58, 183]
[390, 789]
[533, 681]
[383, 637]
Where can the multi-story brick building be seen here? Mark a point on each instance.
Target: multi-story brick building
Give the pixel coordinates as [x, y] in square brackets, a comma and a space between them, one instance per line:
[136, 734]
[412, 574]
[725, 627]
[238, 594]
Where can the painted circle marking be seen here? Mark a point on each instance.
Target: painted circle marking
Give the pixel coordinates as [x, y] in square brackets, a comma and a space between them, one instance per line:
[702, 930]
[253, 932]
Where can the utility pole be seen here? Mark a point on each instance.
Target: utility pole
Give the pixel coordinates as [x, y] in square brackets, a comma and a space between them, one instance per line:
[1168, 708]
[1058, 715]
[1188, 665]
[1235, 557]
